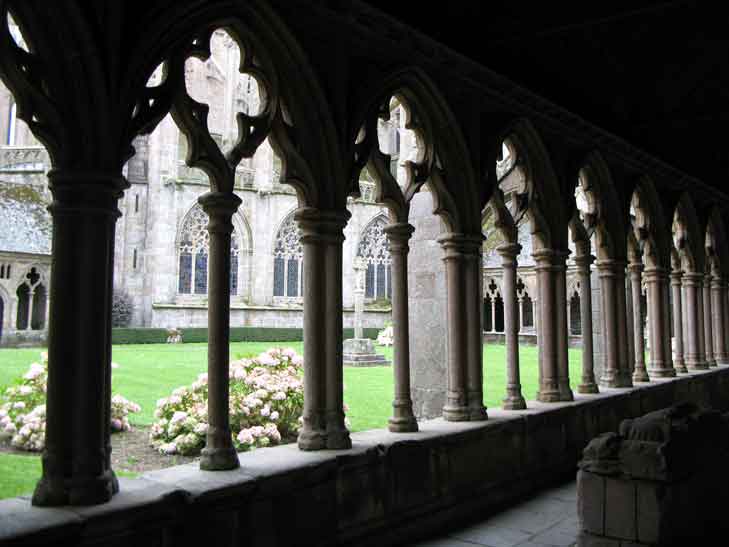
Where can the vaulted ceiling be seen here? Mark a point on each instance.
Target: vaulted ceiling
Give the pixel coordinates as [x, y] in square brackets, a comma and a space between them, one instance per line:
[654, 73]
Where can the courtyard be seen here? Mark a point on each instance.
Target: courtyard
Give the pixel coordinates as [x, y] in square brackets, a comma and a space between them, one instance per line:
[148, 372]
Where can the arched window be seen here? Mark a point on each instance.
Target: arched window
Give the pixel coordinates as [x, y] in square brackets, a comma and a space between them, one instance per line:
[575, 314]
[375, 252]
[288, 260]
[193, 246]
[31, 303]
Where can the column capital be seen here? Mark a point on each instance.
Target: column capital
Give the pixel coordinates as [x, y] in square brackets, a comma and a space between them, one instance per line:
[611, 267]
[545, 259]
[458, 245]
[584, 260]
[692, 279]
[676, 276]
[89, 192]
[321, 226]
[509, 250]
[636, 267]
[655, 273]
[220, 208]
[400, 232]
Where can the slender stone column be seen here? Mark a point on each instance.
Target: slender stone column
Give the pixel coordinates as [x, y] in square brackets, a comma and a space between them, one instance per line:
[624, 357]
[473, 271]
[521, 314]
[666, 323]
[660, 364]
[691, 285]
[333, 230]
[630, 327]
[588, 384]
[708, 322]
[700, 308]
[29, 310]
[514, 399]
[678, 361]
[402, 420]
[219, 453]
[640, 374]
[560, 296]
[612, 376]
[322, 239]
[456, 406]
[76, 467]
[548, 367]
[493, 315]
[312, 435]
[720, 345]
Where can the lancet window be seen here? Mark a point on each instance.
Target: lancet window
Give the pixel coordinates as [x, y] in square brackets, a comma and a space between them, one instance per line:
[373, 249]
[288, 261]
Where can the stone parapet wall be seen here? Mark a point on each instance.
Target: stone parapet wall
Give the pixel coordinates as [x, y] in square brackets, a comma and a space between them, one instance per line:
[387, 488]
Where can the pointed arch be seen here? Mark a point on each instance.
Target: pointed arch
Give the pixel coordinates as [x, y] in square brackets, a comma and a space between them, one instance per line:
[651, 228]
[606, 213]
[446, 164]
[716, 242]
[690, 239]
[543, 199]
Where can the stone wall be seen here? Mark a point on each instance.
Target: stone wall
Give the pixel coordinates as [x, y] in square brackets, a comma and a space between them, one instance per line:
[426, 310]
[388, 488]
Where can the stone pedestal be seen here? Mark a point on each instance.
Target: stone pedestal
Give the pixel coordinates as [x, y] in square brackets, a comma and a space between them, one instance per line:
[360, 352]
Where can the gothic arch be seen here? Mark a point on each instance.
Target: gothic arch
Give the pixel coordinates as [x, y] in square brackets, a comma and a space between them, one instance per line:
[651, 229]
[716, 242]
[445, 151]
[543, 190]
[373, 248]
[605, 212]
[690, 239]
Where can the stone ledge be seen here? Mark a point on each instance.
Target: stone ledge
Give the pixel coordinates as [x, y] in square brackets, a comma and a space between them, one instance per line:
[387, 487]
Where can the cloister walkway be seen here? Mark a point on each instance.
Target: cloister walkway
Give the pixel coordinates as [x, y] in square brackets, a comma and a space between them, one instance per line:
[549, 518]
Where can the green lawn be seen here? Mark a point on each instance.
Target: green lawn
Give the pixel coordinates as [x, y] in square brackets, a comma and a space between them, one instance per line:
[149, 372]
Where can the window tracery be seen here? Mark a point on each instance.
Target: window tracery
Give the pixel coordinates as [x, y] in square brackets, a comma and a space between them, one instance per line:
[193, 248]
[374, 250]
[288, 261]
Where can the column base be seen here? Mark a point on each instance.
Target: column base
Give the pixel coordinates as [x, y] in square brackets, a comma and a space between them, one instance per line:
[312, 440]
[680, 367]
[588, 388]
[219, 459]
[712, 363]
[402, 424]
[662, 372]
[452, 413]
[641, 376]
[697, 366]
[565, 392]
[548, 394]
[616, 380]
[514, 402]
[56, 491]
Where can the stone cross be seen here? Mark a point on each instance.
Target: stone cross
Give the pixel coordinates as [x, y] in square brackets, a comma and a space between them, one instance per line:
[359, 294]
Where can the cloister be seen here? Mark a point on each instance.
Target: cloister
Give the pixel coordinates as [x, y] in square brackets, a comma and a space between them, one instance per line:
[328, 72]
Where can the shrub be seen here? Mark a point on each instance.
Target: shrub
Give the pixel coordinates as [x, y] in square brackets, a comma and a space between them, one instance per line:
[23, 409]
[266, 402]
[122, 307]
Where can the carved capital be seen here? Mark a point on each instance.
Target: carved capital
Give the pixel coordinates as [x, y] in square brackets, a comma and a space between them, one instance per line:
[319, 226]
[220, 208]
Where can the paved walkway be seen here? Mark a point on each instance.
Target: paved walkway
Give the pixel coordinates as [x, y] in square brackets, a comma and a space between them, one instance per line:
[550, 518]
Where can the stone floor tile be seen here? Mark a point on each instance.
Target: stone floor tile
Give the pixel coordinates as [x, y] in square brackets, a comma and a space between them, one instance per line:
[556, 537]
[492, 535]
[444, 542]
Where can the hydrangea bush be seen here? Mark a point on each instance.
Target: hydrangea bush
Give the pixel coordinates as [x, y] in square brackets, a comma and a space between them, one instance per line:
[266, 402]
[23, 409]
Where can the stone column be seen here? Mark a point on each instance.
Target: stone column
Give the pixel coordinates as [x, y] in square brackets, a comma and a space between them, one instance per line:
[629, 326]
[456, 248]
[312, 435]
[624, 356]
[521, 314]
[332, 229]
[640, 374]
[560, 297]
[29, 309]
[219, 453]
[691, 285]
[76, 466]
[402, 420]
[612, 376]
[473, 271]
[493, 314]
[514, 399]
[720, 345]
[701, 332]
[708, 322]
[678, 361]
[359, 295]
[547, 328]
[588, 384]
[660, 365]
